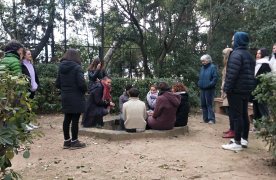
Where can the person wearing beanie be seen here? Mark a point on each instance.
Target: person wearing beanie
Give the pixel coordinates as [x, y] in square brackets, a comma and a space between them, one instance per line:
[208, 78]
[239, 83]
[13, 55]
[272, 62]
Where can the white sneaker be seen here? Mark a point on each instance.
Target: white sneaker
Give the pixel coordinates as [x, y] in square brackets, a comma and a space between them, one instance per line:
[33, 126]
[244, 143]
[232, 147]
[28, 128]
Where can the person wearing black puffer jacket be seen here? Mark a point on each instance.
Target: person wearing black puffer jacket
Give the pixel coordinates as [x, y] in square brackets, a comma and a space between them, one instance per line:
[239, 83]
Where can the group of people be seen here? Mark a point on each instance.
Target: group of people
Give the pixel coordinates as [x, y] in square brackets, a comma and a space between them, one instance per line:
[239, 79]
[17, 60]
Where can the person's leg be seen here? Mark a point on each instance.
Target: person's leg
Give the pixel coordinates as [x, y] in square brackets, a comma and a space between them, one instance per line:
[245, 120]
[210, 95]
[75, 126]
[204, 106]
[263, 109]
[236, 110]
[231, 122]
[66, 125]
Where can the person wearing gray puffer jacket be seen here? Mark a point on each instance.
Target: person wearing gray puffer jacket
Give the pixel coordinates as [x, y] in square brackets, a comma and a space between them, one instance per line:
[239, 83]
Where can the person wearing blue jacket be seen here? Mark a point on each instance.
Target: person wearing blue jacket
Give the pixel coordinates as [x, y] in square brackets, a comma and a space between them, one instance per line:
[208, 78]
[239, 83]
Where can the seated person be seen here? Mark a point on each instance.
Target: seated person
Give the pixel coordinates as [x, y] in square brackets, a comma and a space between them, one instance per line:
[134, 112]
[151, 97]
[183, 110]
[122, 99]
[164, 114]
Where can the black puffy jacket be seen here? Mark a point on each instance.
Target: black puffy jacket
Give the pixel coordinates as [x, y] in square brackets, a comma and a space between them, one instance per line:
[240, 72]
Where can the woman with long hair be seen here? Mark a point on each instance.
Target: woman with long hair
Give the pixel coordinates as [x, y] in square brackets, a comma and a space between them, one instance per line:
[96, 72]
[72, 84]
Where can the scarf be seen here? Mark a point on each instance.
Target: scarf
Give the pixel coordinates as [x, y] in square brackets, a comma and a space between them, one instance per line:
[106, 93]
[259, 63]
[30, 68]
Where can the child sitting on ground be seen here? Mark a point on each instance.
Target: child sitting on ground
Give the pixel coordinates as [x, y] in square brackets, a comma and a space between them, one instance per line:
[134, 112]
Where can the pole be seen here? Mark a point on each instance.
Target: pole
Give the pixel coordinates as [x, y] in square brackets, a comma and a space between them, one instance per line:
[102, 33]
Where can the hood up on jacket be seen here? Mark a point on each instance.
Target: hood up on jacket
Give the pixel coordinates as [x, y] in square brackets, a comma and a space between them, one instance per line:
[241, 39]
[174, 99]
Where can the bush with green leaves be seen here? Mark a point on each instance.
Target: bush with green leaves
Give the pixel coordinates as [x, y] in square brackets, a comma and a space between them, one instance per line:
[266, 93]
[15, 113]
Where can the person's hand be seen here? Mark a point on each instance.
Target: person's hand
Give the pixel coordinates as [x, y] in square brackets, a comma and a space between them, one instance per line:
[112, 104]
[99, 66]
[150, 113]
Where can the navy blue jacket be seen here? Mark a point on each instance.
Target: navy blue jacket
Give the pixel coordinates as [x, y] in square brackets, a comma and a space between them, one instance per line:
[208, 77]
[240, 72]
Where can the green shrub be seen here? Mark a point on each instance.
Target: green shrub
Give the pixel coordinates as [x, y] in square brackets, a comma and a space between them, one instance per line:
[15, 113]
[266, 92]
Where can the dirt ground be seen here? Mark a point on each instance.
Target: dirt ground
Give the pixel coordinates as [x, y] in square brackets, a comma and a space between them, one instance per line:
[197, 155]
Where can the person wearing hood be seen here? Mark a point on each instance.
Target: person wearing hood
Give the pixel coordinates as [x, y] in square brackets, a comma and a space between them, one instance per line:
[71, 82]
[13, 55]
[164, 114]
[122, 99]
[262, 66]
[239, 83]
[183, 109]
[208, 78]
[272, 62]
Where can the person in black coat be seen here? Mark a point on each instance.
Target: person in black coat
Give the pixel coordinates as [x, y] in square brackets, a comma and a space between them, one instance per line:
[183, 110]
[96, 72]
[262, 66]
[72, 84]
[98, 103]
[239, 83]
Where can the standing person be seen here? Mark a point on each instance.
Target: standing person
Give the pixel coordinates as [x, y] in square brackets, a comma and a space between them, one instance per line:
[29, 70]
[151, 97]
[262, 66]
[272, 61]
[183, 109]
[208, 78]
[164, 114]
[122, 99]
[229, 133]
[99, 103]
[134, 112]
[239, 83]
[13, 55]
[96, 72]
[72, 84]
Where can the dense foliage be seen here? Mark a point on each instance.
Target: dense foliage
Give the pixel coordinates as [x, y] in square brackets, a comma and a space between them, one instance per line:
[266, 93]
[15, 113]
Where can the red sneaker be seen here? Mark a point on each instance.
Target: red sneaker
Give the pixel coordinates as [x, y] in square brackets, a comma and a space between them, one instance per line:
[230, 134]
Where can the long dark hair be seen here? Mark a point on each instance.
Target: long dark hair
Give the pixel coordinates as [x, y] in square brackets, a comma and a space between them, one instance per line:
[72, 55]
[94, 64]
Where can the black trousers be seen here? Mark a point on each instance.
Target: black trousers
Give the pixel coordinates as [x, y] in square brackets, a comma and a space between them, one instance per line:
[238, 111]
[260, 110]
[68, 118]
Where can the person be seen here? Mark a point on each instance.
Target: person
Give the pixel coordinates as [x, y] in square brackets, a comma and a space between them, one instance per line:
[122, 99]
[13, 55]
[272, 61]
[239, 83]
[134, 112]
[164, 115]
[96, 72]
[71, 82]
[229, 133]
[207, 82]
[262, 66]
[183, 110]
[29, 70]
[151, 97]
[99, 103]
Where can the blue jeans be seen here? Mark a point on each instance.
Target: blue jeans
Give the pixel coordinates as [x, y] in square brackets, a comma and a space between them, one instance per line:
[207, 99]
[238, 109]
